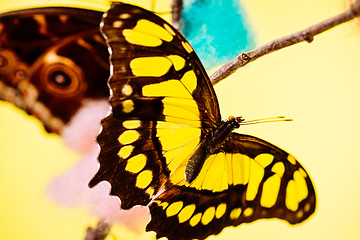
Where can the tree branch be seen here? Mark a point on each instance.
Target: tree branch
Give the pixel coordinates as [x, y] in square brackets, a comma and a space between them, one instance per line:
[99, 233]
[304, 35]
[176, 10]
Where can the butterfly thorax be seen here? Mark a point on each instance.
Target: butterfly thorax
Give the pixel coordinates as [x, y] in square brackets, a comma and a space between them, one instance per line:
[210, 144]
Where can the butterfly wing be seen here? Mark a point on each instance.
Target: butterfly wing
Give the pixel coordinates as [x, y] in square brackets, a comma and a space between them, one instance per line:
[162, 102]
[248, 179]
[51, 60]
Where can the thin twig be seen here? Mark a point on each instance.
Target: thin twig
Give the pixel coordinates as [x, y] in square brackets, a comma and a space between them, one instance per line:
[176, 10]
[99, 233]
[304, 35]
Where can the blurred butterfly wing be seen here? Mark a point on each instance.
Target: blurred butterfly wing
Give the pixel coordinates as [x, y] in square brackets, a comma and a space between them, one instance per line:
[52, 59]
[248, 179]
[162, 103]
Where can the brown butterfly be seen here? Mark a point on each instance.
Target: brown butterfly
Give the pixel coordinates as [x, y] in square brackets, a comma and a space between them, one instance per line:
[52, 59]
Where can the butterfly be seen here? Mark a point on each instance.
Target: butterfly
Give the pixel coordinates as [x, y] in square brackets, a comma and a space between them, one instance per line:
[52, 59]
[164, 144]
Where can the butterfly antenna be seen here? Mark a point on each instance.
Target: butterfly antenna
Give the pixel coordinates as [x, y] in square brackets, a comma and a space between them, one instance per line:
[267, 120]
[152, 7]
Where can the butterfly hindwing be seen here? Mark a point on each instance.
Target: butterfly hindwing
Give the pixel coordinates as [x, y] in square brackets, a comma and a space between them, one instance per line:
[51, 60]
[131, 162]
[248, 179]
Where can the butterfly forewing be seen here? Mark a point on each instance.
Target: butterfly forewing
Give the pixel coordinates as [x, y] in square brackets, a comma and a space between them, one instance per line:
[157, 79]
[51, 60]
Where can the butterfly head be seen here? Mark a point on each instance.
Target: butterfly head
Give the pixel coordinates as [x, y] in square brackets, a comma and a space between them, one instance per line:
[234, 121]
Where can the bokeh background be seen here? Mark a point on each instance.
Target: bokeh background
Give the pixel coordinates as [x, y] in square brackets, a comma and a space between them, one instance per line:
[315, 84]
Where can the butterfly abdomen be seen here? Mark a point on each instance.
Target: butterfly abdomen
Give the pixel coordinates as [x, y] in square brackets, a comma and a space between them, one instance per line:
[210, 144]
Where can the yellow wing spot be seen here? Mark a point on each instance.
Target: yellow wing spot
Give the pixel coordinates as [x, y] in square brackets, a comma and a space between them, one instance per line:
[128, 106]
[291, 199]
[235, 213]
[187, 47]
[220, 210]
[63, 19]
[174, 208]
[144, 179]
[162, 204]
[128, 137]
[248, 212]
[150, 191]
[278, 168]
[178, 61]
[172, 88]
[131, 124]
[150, 66]
[264, 159]
[208, 216]
[140, 38]
[189, 79]
[270, 191]
[302, 172]
[136, 163]
[168, 28]
[301, 186]
[255, 177]
[127, 90]
[125, 151]
[307, 207]
[195, 219]
[186, 213]
[124, 16]
[300, 214]
[117, 24]
[154, 29]
[291, 159]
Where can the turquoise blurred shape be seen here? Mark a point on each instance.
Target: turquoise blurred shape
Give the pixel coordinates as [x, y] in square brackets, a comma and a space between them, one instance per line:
[218, 30]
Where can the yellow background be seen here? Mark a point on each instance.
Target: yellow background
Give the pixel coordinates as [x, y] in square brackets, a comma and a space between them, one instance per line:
[315, 84]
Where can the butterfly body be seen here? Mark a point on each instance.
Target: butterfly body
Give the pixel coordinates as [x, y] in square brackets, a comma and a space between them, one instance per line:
[164, 144]
[210, 144]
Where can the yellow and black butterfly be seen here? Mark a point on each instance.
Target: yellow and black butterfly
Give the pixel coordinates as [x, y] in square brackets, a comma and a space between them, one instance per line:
[164, 144]
[52, 59]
